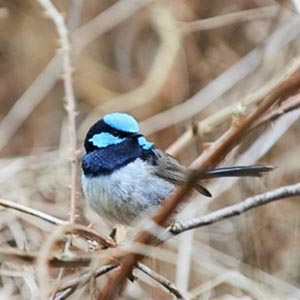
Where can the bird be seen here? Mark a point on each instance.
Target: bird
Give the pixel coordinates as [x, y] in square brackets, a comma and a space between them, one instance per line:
[126, 177]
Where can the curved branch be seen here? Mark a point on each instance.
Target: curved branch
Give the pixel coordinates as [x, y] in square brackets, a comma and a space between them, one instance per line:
[236, 209]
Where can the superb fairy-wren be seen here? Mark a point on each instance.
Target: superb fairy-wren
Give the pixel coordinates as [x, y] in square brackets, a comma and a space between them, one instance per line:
[125, 177]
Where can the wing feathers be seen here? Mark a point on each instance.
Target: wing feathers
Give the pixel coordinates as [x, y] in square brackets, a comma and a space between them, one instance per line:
[168, 168]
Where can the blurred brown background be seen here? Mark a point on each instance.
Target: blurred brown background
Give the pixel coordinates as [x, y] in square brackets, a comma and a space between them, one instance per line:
[149, 58]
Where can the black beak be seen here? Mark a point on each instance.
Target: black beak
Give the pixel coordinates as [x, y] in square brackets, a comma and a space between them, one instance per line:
[136, 135]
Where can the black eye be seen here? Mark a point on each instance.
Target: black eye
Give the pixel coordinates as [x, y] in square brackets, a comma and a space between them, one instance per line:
[115, 132]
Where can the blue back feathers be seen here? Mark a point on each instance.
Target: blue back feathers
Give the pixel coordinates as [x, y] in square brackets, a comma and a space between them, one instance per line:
[121, 121]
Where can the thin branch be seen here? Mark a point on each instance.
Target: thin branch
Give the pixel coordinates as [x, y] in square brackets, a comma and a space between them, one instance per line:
[81, 280]
[42, 260]
[70, 105]
[286, 106]
[262, 144]
[290, 82]
[32, 212]
[42, 265]
[105, 242]
[162, 280]
[83, 231]
[236, 109]
[237, 209]
[55, 260]
[65, 294]
[91, 235]
[232, 18]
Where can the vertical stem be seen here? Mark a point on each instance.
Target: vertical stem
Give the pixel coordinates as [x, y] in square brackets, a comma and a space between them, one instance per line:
[69, 98]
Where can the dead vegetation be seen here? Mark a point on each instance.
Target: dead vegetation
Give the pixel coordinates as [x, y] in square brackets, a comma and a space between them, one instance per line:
[213, 83]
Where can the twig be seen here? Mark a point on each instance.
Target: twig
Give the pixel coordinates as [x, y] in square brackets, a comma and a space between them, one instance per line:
[32, 212]
[70, 105]
[105, 242]
[262, 144]
[89, 234]
[184, 253]
[288, 105]
[236, 209]
[45, 252]
[55, 260]
[162, 280]
[42, 266]
[290, 82]
[235, 109]
[232, 18]
[65, 294]
[81, 280]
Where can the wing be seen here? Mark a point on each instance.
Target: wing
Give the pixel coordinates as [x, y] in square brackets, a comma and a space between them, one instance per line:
[168, 168]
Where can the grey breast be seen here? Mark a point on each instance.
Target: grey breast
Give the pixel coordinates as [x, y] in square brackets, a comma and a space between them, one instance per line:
[127, 194]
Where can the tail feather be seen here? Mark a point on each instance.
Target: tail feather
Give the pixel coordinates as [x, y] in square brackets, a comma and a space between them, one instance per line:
[202, 190]
[238, 171]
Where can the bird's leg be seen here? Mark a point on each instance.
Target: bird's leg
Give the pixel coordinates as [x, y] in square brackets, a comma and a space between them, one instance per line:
[113, 234]
[119, 233]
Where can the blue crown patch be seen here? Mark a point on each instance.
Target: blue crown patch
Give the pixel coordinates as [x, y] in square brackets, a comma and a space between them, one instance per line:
[121, 121]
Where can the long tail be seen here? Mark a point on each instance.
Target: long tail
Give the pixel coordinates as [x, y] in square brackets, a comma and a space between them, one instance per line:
[236, 171]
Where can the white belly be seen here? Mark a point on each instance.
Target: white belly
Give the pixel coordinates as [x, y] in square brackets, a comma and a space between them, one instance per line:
[127, 194]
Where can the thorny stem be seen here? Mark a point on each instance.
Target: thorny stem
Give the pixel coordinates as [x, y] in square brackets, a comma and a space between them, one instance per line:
[70, 106]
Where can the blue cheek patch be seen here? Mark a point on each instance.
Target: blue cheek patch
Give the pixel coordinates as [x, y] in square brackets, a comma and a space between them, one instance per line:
[144, 143]
[123, 122]
[105, 139]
